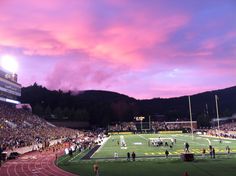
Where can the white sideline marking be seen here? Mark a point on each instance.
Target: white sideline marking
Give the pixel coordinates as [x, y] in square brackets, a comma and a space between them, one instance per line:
[66, 157]
[103, 143]
[75, 156]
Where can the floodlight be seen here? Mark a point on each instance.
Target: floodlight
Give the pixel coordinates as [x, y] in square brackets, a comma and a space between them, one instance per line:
[9, 63]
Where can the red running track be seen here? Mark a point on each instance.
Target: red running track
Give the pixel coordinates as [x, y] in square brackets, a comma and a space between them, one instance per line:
[33, 164]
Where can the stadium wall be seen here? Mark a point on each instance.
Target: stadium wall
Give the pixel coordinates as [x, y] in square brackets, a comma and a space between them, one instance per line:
[23, 150]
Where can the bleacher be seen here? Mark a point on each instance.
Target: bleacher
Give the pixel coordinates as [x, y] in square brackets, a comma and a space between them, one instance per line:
[19, 128]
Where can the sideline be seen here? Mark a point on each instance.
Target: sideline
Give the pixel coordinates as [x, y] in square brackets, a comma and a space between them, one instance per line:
[66, 157]
[143, 137]
[101, 146]
[70, 160]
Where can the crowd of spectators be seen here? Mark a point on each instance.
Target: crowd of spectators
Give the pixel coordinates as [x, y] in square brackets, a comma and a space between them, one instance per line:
[87, 140]
[231, 126]
[155, 126]
[124, 126]
[158, 126]
[227, 130]
[19, 128]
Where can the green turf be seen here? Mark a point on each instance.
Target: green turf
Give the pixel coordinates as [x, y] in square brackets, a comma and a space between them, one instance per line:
[222, 165]
[196, 145]
[160, 167]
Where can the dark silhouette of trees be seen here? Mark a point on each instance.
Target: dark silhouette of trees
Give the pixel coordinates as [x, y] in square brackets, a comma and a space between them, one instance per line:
[104, 107]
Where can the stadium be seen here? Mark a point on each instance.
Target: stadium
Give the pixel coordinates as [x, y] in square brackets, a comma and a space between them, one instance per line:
[117, 88]
[31, 145]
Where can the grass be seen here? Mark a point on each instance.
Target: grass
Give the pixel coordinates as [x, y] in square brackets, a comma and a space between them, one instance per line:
[196, 145]
[173, 166]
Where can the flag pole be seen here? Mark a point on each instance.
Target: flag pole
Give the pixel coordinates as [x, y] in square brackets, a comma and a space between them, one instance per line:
[190, 114]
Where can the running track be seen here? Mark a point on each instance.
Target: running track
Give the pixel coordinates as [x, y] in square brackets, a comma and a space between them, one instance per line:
[33, 164]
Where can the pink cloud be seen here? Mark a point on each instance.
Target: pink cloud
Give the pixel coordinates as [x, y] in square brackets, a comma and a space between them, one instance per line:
[119, 42]
[81, 74]
[210, 44]
[122, 43]
[131, 47]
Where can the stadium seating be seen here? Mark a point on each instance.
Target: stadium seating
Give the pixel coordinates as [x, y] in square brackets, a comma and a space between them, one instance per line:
[19, 128]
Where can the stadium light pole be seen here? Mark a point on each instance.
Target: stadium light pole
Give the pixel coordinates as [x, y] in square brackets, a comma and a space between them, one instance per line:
[141, 125]
[190, 114]
[149, 122]
[217, 112]
[140, 118]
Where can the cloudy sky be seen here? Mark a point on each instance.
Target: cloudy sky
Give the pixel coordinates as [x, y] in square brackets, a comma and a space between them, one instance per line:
[142, 48]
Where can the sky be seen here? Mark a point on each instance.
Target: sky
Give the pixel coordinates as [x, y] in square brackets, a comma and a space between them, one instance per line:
[144, 49]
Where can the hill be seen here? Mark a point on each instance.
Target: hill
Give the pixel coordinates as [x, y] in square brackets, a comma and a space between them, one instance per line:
[103, 107]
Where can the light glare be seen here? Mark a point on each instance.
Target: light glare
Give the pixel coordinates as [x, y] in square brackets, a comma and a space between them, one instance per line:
[9, 63]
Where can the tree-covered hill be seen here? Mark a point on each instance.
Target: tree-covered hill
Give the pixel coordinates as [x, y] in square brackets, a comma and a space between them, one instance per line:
[103, 107]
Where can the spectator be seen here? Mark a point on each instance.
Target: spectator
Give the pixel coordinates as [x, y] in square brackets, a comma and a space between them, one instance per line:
[20, 128]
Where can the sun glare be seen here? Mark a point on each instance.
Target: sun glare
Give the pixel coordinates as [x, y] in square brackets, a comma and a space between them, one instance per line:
[9, 63]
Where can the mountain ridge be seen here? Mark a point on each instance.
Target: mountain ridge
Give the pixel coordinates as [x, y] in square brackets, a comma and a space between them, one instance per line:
[103, 107]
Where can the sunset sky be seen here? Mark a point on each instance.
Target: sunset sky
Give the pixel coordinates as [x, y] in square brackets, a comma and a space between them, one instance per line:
[141, 48]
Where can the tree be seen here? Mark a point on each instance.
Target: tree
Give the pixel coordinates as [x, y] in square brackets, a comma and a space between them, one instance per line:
[38, 109]
[48, 111]
[58, 112]
[81, 115]
[203, 120]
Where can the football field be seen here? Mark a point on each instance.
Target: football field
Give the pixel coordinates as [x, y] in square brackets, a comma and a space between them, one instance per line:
[139, 143]
[150, 159]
